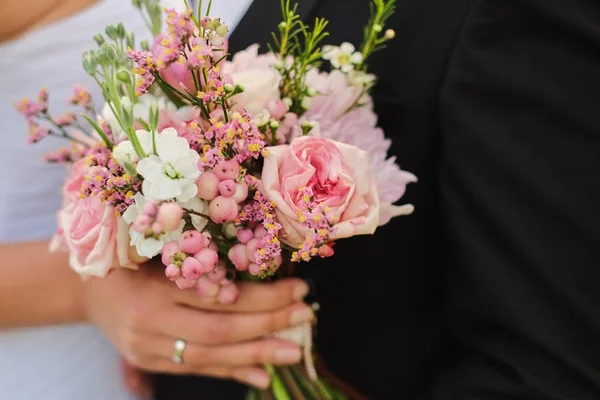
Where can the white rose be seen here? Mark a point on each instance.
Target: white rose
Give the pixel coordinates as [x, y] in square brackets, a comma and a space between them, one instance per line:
[260, 84]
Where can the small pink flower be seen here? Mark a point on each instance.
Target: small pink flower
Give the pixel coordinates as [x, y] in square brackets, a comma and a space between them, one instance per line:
[89, 229]
[338, 175]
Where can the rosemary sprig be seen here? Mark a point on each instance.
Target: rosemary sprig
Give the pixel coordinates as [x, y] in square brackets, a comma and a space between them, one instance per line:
[375, 35]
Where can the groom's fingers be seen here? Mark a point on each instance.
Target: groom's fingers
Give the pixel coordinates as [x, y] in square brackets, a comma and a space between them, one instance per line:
[254, 297]
[215, 328]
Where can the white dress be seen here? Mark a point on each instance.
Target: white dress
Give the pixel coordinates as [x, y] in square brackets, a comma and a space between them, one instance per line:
[70, 362]
[62, 362]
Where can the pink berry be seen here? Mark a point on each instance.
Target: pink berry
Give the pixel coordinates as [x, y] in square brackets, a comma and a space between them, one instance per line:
[238, 256]
[207, 238]
[254, 269]
[208, 258]
[170, 216]
[260, 232]
[219, 273]
[244, 235]
[184, 284]
[208, 186]
[206, 288]
[227, 188]
[223, 209]
[227, 170]
[142, 223]
[157, 228]
[213, 246]
[173, 272]
[191, 269]
[228, 294]
[241, 192]
[168, 250]
[277, 108]
[191, 242]
[251, 248]
[150, 208]
[290, 120]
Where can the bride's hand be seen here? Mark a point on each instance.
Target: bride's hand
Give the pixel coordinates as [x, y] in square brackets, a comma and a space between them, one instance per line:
[144, 314]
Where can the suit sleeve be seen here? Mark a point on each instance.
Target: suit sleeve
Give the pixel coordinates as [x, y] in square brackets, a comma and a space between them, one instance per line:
[520, 181]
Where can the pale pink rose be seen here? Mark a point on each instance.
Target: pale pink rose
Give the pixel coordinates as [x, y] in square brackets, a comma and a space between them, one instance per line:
[357, 128]
[339, 176]
[74, 184]
[249, 59]
[90, 231]
[257, 74]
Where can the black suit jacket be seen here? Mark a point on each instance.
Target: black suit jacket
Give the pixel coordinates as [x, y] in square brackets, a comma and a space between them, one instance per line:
[489, 290]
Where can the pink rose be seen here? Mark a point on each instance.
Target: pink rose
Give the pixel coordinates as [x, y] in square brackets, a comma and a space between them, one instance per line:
[89, 230]
[339, 177]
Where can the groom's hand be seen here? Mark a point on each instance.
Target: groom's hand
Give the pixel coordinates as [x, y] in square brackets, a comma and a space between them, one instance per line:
[144, 314]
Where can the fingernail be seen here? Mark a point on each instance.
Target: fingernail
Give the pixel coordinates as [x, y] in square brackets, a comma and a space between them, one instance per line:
[301, 316]
[287, 356]
[258, 379]
[300, 291]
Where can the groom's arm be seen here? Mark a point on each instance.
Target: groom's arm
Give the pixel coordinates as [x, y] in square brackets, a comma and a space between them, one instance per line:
[520, 176]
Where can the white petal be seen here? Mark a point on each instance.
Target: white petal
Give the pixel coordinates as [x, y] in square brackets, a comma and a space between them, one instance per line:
[145, 139]
[150, 167]
[149, 247]
[347, 68]
[133, 210]
[347, 48]
[189, 190]
[335, 63]
[124, 153]
[188, 166]
[200, 206]
[329, 51]
[356, 58]
[170, 147]
[165, 188]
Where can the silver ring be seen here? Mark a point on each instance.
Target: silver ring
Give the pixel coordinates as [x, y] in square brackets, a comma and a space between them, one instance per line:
[178, 348]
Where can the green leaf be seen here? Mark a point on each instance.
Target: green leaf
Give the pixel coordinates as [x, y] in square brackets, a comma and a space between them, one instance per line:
[144, 124]
[105, 139]
[175, 99]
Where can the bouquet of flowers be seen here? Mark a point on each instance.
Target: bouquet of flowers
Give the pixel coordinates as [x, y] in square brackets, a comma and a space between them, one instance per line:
[224, 168]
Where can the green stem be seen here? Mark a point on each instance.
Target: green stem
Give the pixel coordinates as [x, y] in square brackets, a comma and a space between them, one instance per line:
[135, 142]
[63, 133]
[288, 378]
[188, 98]
[224, 106]
[324, 390]
[277, 385]
[306, 384]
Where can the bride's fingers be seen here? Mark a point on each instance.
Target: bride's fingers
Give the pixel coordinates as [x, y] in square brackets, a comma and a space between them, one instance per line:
[254, 297]
[135, 380]
[270, 351]
[211, 328]
[253, 376]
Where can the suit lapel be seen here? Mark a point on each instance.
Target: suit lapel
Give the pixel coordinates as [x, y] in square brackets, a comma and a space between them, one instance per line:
[261, 19]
